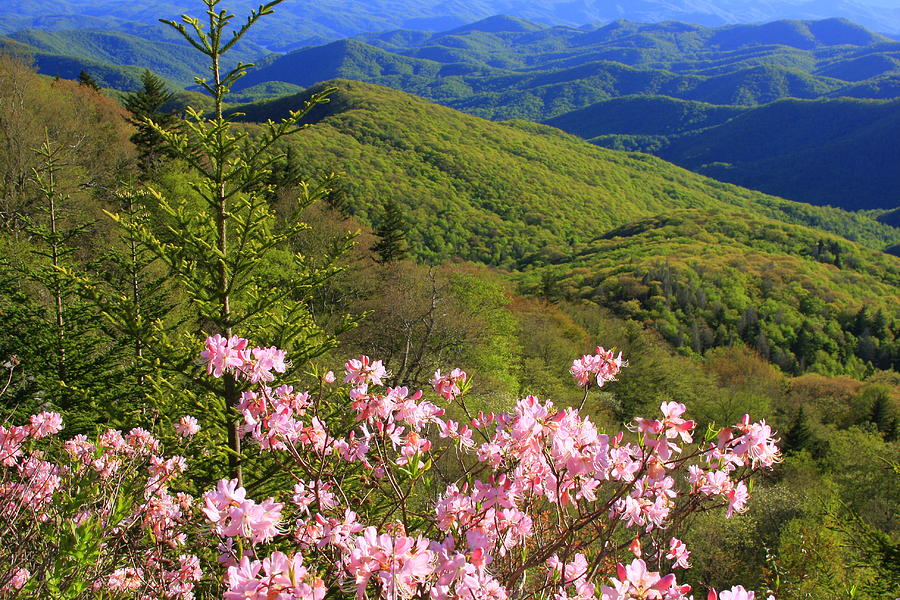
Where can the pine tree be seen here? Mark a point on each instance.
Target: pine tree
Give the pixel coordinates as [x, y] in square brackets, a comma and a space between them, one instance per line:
[549, 289]
[224, 247]
[881, 413]
[145, 106]
[338, 198]
[798, 435]
[72, 360]
[391, 231]
[85, 79]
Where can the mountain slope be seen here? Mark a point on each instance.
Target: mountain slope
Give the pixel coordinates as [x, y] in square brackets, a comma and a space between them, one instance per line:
[785, 147]
[115, 59]
[643, 115]
[499, 192]
[707, 278]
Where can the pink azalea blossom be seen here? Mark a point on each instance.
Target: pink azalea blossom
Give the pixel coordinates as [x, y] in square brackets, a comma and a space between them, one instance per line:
[127, 579]
[398, 562]
[187, 427]
[678, 553]
[11, 441]
[224, 354]
[447, 386]
[20, 577]
[141, 441]
[362, 370]
[635, 581]
[736, 593]
[257, 522]
[266, 360]
[277, 576]
[45, 423]
[603, 366]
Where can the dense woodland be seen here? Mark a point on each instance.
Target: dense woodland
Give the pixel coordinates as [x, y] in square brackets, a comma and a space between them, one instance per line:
[506, 249]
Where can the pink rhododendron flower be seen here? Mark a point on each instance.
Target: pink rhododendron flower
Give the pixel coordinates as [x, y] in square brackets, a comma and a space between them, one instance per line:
[756, 443]
[234, 515]
[603, 366]
[635, 581]
[187, 427]
[678, 553]
[736, 593]
[398, 562]
[266, 360]
[141, 441]
[127, 579]
[737, 499]
[536, 457]
[278, 576]
[224, 354]
[20, 577]
[447, 386]
[11, 441]
[361, 370]
[45, 423]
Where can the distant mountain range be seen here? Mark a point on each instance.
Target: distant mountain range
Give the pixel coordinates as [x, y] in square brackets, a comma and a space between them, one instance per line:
[303, 23]
[503, 67]
[704, 98]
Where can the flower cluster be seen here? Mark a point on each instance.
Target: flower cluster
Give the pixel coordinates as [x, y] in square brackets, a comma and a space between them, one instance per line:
[233, 514]
[534, 489]
[116, 486]
[636, 581]
[277, 576]
[602, 366]
[534, 461]
[447, 386]
[233, 355]
[736, 593]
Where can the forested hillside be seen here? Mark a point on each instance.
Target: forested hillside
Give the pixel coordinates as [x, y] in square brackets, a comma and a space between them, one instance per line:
[531, 197]
[523, 187]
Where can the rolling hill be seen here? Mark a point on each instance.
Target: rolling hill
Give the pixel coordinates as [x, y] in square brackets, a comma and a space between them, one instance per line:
[707, 278]
[115, 60]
